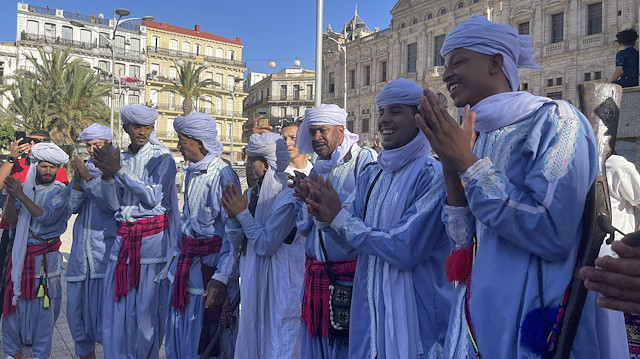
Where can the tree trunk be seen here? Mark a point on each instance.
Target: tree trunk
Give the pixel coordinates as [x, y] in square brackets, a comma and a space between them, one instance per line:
[187, 106]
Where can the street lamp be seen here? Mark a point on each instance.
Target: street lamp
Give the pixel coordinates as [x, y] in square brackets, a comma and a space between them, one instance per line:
[111, 42]
[343, 46]
[232, 93]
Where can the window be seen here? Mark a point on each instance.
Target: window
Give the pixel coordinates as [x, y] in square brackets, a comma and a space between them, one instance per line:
[208, 51]
[549, 82]
[197, 48]
[296, 92]
[438, 60]
[32, 27]
[231, 54]
[135, 45]
[134, 71]
[231, 82]
[118, 69]
[309, 92]
[155, 69]
[229, 107]
[476, 1]
[50, 31]
[429, 16]
[412, 56]
[171, 132]
[173, 72]
[207, 104]
[119, 44]
[332, 84]
[219, 53]
[402, 26]
[365, 125]
[587, 76]
[283, 92]
[154, 97]
[352, 79]
[523, 28]
[186, 47]
[228, 132]
[460, 5]
[85, 36]
[102, 40]
[350, 125]
[443, 11]
[558, 81]
[219, 81]
[155, 40]
[104, 65]
[67, 35]
[414, 21]
[134, 99]
[555, 95]
[217, 109]
[597, 75]
[383, 71]
[557, 27]
[367, 75]
[283, 111]
[594, 21]
[208, 76]
[173, 47]
[525, 86]
[172, 101]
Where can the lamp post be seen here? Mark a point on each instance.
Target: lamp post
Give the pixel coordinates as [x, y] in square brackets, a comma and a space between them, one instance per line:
[111, 42]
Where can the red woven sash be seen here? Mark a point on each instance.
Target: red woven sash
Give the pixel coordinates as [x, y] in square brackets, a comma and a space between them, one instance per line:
[28, 282]
[131, 234]
[189, 249]
[315, 301]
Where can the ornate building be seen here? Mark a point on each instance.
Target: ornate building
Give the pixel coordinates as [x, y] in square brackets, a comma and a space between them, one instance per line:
[573, 40]
[222, 57]
[285, 95]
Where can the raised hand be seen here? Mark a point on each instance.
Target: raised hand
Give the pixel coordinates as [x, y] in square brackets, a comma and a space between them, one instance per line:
[17, 149]
[298, 191]
[13, 186]
[232, 202]
[80, 169]
[107, 162]
[323, 202]
[258, 129]
[453, 143]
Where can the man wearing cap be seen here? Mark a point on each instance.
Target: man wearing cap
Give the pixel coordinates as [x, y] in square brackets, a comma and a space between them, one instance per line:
[341, 159]
[269, 324]
[136, 289]
[39, 213]
[204, 263]
[523, 186]
[401, 298]
[94, 231]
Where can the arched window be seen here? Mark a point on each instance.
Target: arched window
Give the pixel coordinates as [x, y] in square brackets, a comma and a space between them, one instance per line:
[186, 47]
[443, 11]
[402, 26]
[429, 16]
[414, 21]
[219, 52]
[460, 5]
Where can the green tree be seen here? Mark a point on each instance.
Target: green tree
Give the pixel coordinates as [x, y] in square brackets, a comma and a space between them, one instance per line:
[61, 95]
[189, 85]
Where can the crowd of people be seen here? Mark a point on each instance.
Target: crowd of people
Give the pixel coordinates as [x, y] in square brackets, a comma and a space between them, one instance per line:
[455, 241]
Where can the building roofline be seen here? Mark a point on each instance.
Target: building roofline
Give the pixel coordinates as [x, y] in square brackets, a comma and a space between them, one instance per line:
[191, 32]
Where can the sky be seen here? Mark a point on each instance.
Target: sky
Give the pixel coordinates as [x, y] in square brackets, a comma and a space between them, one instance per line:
[282, 30]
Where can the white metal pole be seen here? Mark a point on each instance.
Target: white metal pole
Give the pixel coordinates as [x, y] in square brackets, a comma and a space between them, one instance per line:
[319, 7]
[113, 65]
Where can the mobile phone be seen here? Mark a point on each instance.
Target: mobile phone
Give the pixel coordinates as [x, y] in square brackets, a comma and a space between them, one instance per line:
[23, 135]
[264, 112]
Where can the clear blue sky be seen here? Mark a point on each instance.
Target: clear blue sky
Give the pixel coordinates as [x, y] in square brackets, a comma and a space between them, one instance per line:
[278, 29]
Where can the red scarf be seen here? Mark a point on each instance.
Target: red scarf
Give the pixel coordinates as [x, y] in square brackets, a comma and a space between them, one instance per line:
[28, 283]
[189, 249]
[315, 301]
[131, 234]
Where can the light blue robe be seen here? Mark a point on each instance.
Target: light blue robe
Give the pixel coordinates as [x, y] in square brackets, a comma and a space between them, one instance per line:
[270, 314]
[134, 326]
[416, 243]
[94, 231]
[203, 217]
[343, 179]
[32, 324]
[525, 200]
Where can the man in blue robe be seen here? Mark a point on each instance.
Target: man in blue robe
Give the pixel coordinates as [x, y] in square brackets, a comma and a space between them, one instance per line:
[523, 185]
[93, 234]
[401, 298]
[39, 213]
[204, 262]
[136, 289]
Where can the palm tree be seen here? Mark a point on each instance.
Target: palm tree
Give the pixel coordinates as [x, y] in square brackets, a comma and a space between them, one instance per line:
[189, 85]
[62, 96]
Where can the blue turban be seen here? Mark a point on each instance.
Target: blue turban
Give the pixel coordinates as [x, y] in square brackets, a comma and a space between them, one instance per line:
[139, 114]
[400, 92]
[96, 132]
[201, 127]
[483, 36]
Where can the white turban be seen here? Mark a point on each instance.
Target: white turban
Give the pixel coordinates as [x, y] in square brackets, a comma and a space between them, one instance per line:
[201, 127]
[481, 35]
[321, 115]
[96, 132]
[46, 152]
[139, 114]
[400, 92]
[273, 148]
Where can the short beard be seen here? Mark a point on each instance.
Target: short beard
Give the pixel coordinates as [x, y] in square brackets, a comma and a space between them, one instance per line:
[41, 180]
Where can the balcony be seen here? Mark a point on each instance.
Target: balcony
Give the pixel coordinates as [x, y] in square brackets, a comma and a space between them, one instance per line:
[591, 41]
[85, 18]
[193, 56]
[553, 49]
[78, 46]
[42, 10]
[277, 100]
